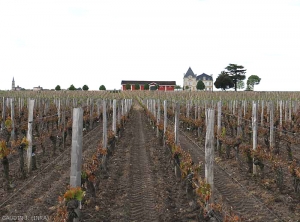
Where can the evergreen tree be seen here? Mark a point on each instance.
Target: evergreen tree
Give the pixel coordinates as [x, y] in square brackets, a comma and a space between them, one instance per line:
[85, 87]
[200, 85]
[102, 87]
[72, 87]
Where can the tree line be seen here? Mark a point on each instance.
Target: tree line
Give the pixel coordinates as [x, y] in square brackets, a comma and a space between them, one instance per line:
[84, 87]
[233, 76]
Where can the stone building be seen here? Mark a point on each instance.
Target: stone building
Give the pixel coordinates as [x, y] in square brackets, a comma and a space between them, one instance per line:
[190, 81]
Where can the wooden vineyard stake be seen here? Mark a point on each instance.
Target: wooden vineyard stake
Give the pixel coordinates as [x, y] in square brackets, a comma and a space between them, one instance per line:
[176, 127]
[176, 135]
[254, 132]
[104, 139]
[12, 112]
[3, 113]
[280, 115]
[58, 112]
[158, 117]
[262, 113]
[119, 113]
[114, 123]
[209, 153]
[104, 124]
[286, 111]
[165, 118]
[290, 110]
[91, 113]
[271, 125]
[76, 152]
[29, 135]
[219, 126]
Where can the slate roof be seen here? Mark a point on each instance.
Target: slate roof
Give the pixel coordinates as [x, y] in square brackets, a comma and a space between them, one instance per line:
[207, 77]
[189, 73]
[170, 83]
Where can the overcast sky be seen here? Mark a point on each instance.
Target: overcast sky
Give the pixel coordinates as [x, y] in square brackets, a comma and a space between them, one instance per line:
[61, 42]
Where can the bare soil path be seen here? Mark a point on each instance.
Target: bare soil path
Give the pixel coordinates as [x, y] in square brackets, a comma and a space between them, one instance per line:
[141, 185]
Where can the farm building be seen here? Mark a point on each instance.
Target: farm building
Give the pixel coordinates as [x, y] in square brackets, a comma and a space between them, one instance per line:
[153, 85]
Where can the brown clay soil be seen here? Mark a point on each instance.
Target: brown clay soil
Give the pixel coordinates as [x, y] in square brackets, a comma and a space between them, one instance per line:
[247, 196]
[35, 197]
[140, 184]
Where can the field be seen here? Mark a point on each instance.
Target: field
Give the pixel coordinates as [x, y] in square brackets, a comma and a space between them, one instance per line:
[150, 156]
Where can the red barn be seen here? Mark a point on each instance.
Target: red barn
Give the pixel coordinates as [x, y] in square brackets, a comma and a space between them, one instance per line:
[153, 85]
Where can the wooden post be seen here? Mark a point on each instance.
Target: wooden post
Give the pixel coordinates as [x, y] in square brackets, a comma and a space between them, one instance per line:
[290, 110]
[165, 116]
[286, 111]
[158, 117]
[119, 112]
[126, 106]
[233, 108]
[254, 132]
[29, 135]
[3, 113]
[154, 107]
[91, 113]
[58, 113]
[176, 129]
[271, 125]
[19, 105]
[98, 108]
[188, 109]
[239, 128]
[114, 123]
[12, 111]
[219, 124]
[76, 152]
[64, 127]
[196, 111]
[147, 104]
[209, 154]
[123, 107]
[104, 124]
[262, 113]
[173, 107]
[280, 114]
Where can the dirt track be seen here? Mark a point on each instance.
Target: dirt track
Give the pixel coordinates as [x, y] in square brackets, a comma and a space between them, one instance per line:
[141, 185]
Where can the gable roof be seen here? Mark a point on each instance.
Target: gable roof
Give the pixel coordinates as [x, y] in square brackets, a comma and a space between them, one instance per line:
[207, 77]
[189, 73]
[170, 83]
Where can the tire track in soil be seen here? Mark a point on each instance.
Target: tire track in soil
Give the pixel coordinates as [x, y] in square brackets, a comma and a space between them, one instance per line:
[43, 192]
[231, 193]
[122, 190]
[142, 196]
